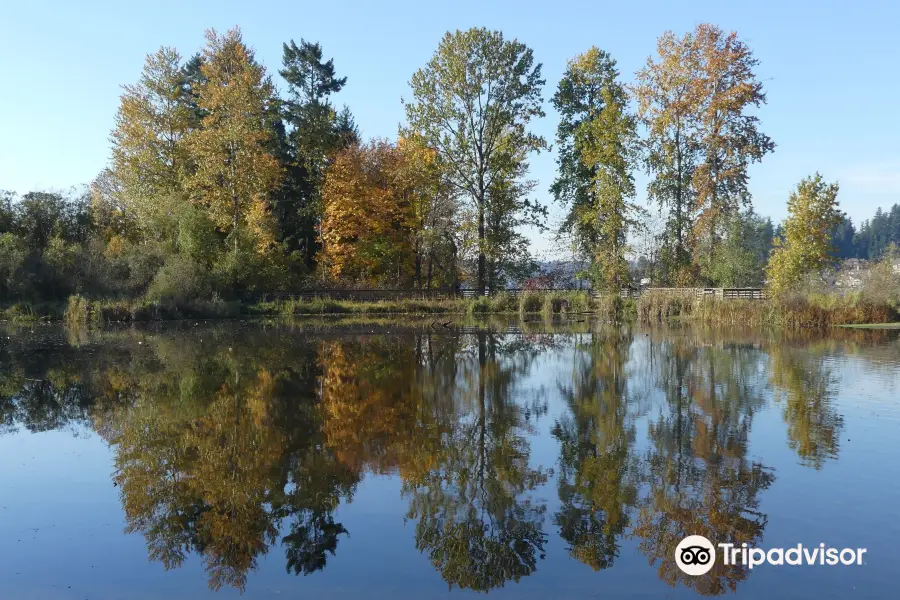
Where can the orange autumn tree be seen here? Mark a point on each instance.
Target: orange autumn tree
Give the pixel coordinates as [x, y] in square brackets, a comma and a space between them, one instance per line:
[371, 199]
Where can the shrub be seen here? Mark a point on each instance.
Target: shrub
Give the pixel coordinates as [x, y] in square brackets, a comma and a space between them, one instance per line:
[504, 302]
[579, 302]
[531, 302]
[180, 280]
[78, 310]
[480, 306]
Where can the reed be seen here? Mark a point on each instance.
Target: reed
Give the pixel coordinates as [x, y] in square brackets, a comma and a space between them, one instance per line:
[81, 311]
[531, 302]
[801, 310]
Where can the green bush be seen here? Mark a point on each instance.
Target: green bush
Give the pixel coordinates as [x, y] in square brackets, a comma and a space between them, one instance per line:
[481, 306]
[579, 302]
[531, 302]
[504, 302]
[180, 280]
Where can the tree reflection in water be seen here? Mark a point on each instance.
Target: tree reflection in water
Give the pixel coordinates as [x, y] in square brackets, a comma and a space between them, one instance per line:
[231, 442]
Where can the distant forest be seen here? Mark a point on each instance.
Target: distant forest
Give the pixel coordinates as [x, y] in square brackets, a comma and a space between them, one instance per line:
[872, 238]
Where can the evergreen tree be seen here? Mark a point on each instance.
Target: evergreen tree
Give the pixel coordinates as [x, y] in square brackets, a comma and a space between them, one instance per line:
[314, 132]
[843, 236]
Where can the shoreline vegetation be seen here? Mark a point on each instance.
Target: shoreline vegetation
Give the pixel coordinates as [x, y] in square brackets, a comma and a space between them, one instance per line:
[808, 310]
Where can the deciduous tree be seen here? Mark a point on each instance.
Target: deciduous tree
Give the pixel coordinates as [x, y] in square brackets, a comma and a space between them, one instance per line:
[149, 157]
[578, 99]
[727, 132]
[368, 220]
[665, 100]
[236, 172]
[806, 246]
[605, 141]
[473, 103]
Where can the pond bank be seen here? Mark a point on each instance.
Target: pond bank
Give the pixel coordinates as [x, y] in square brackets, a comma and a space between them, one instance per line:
[809, 311]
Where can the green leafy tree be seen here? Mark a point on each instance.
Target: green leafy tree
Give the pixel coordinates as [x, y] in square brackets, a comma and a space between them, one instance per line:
[46, 231]
[13, 253]
[6, 210]
[149, 157]
[605, 140]
[473, 103]
[740, 260]
[507, 256]
[579, 99]
[806, 246]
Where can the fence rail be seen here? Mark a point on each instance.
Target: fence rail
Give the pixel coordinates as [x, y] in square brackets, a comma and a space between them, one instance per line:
[696, 293]
[391, 294]
[373, 295]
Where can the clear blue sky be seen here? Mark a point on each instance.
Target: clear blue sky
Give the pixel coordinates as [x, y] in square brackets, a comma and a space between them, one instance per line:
[832, 73]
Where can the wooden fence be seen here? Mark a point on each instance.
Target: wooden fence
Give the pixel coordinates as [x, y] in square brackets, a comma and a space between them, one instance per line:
[697, 293]
[373, 295]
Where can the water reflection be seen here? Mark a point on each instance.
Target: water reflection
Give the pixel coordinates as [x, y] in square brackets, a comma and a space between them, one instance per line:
[233, 443]
[700, 481]
[599, 471]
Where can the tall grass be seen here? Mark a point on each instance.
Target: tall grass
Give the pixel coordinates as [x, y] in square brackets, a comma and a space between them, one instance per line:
[30, 312]
[81, 311]
[554, 302]
[659, 306]
[615, 309]
[799, 310]
[325, 306]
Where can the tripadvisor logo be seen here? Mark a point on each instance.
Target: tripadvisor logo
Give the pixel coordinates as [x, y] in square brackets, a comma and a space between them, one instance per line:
[696, 555]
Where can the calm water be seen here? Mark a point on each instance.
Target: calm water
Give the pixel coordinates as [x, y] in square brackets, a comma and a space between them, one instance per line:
[380, 461]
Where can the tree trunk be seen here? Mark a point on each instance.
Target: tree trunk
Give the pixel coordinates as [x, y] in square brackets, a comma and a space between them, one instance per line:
[418, 275]
[481, 257]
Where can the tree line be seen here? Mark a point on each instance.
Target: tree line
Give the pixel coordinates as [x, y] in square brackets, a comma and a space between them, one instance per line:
[219, 184]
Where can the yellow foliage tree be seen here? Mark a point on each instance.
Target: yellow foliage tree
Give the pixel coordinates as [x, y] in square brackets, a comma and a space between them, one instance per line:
[149, 157]
[235, 169]
[806, 246]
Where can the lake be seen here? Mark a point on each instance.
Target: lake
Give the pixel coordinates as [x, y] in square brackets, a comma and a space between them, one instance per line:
[411, 460]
